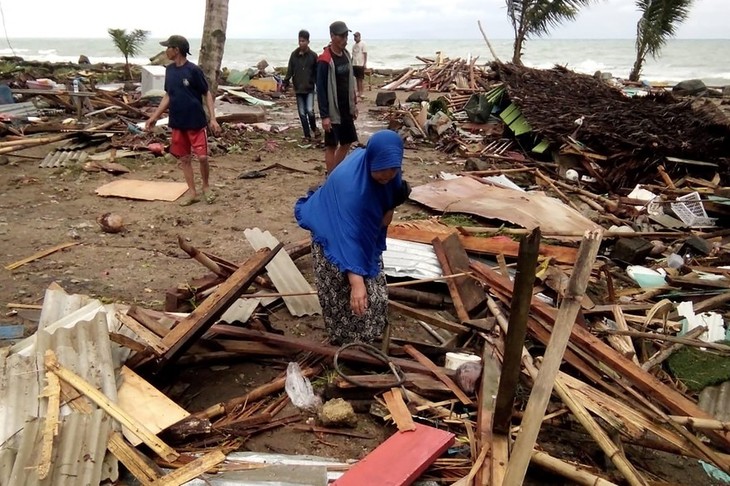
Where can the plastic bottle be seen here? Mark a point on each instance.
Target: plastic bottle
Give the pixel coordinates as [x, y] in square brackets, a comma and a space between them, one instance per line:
[76, 85]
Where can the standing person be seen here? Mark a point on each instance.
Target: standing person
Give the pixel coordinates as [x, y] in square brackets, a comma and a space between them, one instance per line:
[185, 89]
[348, 217]
[302, 69]
[359, 62]
[336, 96]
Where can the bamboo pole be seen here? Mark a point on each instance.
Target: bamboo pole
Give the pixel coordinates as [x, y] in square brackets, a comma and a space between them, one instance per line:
[569, 471]
[662, 355]
[673, 339]
[543, 385]
[611, 450]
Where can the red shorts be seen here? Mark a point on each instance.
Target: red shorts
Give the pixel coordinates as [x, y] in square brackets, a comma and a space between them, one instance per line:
[185, 142]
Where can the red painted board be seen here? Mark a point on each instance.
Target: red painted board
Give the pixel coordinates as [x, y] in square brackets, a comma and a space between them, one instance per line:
[400, 460]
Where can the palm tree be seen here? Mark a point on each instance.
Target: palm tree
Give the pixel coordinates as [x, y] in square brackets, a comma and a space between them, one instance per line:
[129, 44]
[537, 17]
[658, 22]
[213, 41]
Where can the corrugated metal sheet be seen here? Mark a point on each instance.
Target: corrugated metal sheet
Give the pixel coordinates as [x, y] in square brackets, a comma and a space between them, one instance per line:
[715, 400]
[409, 259]
[285, 275]
[77, 458]
[23, 109]
[64, 158]
[84, 348]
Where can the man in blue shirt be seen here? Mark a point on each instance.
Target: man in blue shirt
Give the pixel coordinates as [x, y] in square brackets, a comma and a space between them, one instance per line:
[185, 89]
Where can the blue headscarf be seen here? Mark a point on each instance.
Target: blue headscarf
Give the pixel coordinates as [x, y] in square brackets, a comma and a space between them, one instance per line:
[345, 215]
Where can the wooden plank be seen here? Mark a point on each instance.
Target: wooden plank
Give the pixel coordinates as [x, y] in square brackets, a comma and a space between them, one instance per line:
[670, 398]
[424, 361]
[148, 321]
[133, 460]
[400, 460]
[146, 404]
[399, 410]
[163, 450]
[485, 246]
[514, 341]
[204, 316]
[427, 317]
[543, 383]
[191, 470]
[150, 339]
[50, 427]
[41, 254]
[143, 190]
[461, 311]
[472, 294]
[491, 370]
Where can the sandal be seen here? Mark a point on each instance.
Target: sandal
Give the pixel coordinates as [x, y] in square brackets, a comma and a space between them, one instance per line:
[209, 197]
[189, 200]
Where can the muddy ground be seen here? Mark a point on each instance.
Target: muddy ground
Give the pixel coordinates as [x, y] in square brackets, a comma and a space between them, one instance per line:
[41, 208]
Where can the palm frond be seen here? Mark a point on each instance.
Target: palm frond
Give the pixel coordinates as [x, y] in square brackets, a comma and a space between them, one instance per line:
[659, 21]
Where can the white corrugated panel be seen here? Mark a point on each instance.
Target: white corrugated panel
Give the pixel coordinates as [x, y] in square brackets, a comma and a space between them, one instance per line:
[285, 275]
[409, 259]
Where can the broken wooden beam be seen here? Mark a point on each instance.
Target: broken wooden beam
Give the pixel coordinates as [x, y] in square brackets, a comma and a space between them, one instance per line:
[206, 314]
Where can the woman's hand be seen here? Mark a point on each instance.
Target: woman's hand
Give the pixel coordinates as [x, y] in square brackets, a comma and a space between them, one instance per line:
[358, 294]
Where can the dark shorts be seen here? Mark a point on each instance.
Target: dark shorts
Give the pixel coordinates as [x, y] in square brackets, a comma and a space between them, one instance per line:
[341, 134]
[359, 72]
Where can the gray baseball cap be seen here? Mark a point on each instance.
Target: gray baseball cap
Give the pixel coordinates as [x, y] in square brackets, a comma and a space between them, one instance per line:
[177, 41]
[339, 28]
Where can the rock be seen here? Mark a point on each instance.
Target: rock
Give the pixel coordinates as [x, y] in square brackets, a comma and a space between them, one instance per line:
[726, 92]
[83, 60]
[385, 98]
[418, 96]
[658, 248]
[691, 87]
[467, 376]
[472, 163]
[631, 250]
[337, 413]
[4, 160]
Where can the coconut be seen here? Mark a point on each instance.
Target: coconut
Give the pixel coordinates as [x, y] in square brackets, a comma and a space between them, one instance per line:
[111, 223]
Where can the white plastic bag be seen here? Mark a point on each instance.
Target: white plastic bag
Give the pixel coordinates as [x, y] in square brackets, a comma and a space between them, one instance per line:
[299, 389]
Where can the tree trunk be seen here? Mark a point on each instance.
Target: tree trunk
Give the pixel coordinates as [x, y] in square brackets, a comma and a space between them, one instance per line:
[638, 63]
[213, 41]
[517, 53]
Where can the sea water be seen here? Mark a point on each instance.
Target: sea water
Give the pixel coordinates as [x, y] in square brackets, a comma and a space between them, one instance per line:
[706, 59]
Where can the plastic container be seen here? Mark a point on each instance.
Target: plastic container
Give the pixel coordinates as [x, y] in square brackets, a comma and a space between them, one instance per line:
[690, 210]
[454, 360]
[646, 277]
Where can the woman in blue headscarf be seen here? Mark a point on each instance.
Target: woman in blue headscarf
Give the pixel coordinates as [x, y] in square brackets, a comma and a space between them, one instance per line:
[348, 217]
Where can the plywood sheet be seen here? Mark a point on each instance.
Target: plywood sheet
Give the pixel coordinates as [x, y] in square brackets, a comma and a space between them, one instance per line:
[526, 209]
[146, 404]
[144, 190]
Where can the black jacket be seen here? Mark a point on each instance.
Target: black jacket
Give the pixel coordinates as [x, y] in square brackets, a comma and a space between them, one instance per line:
[303, 69]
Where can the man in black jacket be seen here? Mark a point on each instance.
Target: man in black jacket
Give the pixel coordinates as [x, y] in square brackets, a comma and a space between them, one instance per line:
[303, 70]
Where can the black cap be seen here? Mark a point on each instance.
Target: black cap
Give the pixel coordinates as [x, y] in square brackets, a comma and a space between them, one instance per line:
[339, 28]
[177, 41]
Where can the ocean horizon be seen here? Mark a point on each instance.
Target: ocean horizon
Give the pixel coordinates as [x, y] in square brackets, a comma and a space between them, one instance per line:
[681, 59]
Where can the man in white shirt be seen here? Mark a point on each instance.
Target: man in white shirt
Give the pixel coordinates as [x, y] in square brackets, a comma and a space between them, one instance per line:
[359, 62]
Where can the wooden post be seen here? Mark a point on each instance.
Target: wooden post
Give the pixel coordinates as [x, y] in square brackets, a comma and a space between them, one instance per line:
[543, 386]
[519, 311]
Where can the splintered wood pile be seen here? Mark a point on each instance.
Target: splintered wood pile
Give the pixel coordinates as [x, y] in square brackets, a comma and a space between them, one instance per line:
[634, 133]
[443, 75]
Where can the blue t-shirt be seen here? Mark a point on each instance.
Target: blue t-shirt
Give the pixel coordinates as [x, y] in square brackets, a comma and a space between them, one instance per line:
[185, 85]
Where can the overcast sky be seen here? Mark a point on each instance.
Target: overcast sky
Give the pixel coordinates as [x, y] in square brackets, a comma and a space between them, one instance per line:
[381, 19]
